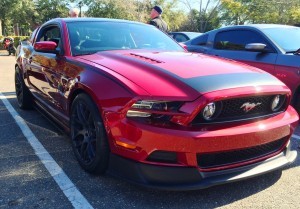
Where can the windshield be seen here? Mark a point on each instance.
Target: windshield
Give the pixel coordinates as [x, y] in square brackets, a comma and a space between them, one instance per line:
[288, 38]
[91, 37]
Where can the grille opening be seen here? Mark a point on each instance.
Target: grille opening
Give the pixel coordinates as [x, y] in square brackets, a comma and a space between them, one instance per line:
[163, 157]
[232, 109]
[211, 160]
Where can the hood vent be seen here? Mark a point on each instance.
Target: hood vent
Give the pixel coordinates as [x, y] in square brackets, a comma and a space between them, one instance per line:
[147, 59]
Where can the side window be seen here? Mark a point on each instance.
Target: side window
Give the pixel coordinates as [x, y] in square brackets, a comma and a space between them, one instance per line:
[51, 33]
[180, 38]
[237, 40]
[200, 40]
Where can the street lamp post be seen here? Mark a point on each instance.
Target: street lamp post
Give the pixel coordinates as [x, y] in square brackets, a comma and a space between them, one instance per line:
[80, 4]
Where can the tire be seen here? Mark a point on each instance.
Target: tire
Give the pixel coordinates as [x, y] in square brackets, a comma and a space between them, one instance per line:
[22, 92]
[88, 135]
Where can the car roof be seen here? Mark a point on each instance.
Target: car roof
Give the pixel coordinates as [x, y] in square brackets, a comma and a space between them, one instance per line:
[259, 26]
[187, 32]
[88, 19]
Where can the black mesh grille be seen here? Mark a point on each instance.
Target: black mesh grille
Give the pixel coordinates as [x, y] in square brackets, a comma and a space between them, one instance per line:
[235, 109]
[237, 156]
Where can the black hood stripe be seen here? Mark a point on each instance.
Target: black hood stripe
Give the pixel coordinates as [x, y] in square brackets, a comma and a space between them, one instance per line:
[210, 83]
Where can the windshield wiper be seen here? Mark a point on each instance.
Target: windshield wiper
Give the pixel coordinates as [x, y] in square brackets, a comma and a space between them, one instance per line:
[294, 52]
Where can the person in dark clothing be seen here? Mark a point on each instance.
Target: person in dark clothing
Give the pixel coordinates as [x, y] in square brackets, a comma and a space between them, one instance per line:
[157, 20]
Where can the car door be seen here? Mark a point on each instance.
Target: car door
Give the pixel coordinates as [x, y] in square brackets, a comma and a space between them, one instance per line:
[41, 74]
[231, 44]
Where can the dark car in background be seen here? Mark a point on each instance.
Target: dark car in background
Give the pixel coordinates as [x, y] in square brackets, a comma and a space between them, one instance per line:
[273, 48]
[183, 36]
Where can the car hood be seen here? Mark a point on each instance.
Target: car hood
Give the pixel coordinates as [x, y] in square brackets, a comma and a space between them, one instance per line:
[180, 74]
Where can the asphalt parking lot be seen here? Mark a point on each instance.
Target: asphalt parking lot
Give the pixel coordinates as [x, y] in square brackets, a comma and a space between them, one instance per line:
[38, 170]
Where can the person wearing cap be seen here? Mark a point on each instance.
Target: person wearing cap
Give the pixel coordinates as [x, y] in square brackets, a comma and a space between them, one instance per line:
[157, 20]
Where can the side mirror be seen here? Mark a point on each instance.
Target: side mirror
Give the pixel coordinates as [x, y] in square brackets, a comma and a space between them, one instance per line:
[46, 46]
[256, 47]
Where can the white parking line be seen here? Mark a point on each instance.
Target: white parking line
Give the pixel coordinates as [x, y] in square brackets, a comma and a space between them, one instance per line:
[296, 137]
[65, 184]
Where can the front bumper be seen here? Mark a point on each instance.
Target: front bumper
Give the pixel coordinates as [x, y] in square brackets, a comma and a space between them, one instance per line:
[190, 178]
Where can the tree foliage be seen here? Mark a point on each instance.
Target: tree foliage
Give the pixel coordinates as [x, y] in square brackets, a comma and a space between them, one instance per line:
[49, 9]
[204, 19]
[135, 10]
[260, 11]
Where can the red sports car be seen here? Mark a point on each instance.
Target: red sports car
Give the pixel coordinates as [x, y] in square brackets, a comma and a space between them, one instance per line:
[140, 107]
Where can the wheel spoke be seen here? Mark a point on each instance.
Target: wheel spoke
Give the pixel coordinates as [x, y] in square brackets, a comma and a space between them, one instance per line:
[90, 120]
[92, 134]
[91, 151]
[83, 151]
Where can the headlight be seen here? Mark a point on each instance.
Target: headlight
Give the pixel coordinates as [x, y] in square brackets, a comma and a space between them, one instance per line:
[154, 109]
[277, 102]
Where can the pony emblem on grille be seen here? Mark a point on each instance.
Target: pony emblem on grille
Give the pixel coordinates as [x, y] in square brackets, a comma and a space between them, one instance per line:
[249, 106]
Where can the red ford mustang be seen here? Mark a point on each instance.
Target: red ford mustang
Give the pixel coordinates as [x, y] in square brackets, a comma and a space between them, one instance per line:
[140, 107]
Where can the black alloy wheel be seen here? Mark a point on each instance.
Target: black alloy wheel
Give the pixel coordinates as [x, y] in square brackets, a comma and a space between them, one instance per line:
[88, 135]
[23, 95]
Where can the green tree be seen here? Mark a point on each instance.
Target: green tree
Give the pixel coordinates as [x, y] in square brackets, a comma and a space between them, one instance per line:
[204, 19]
[136, 10]
[7, 9]
[295, 16]
[260, 11]
[23, 16]
[118, 9]
[49, 9]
